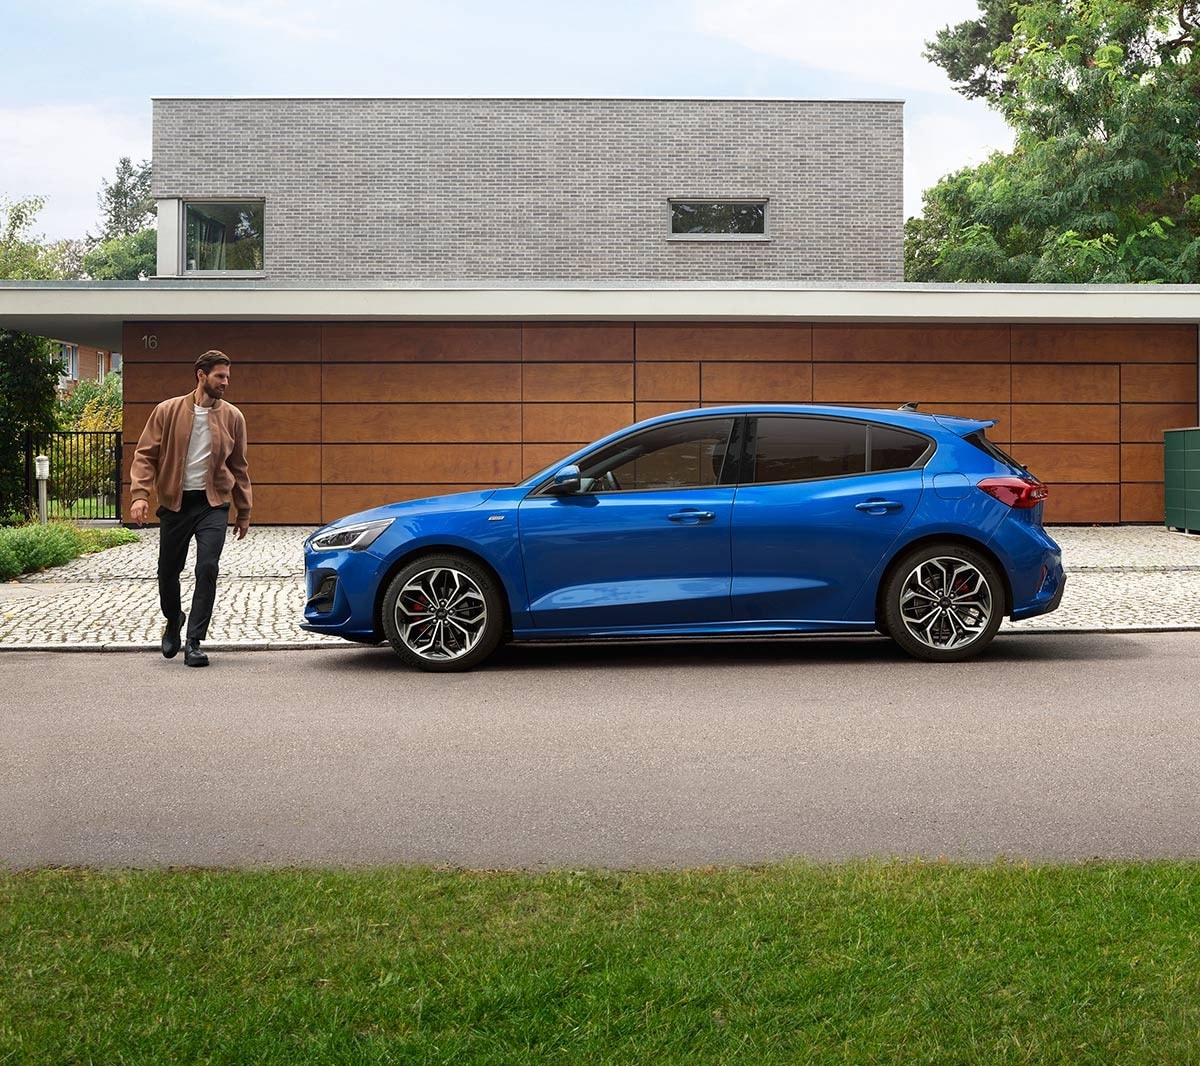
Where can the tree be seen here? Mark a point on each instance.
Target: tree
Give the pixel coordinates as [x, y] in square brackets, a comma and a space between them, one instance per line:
[28, 387]
[1103, 183]
[124, 258]
[126, 206]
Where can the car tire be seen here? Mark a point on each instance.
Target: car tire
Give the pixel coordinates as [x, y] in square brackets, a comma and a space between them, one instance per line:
[465, 610]
[943, 602]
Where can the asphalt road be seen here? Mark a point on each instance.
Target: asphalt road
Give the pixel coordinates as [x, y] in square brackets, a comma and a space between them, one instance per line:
[1054, 746]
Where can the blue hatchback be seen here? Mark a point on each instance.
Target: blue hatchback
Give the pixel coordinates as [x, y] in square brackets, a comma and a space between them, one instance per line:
[733, 520]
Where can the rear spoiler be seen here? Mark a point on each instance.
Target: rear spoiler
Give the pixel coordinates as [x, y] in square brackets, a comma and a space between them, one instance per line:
[961, 426]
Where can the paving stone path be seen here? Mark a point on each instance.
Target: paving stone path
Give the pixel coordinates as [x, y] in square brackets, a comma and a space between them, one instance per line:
[1121, 578]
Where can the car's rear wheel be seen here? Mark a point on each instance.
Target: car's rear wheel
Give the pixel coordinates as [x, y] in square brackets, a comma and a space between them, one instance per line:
[443, 613]
[943, 603]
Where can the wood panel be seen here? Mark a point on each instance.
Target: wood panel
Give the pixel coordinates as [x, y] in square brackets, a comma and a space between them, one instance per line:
[421, 423]
[1065, 383]
[266, 423]
[251, 342]
[1146, 421]
[668, 381]
[1103, 344]
[653, 409]
[756, 382]
[926, 383]
[1082, 463]
[577, 382]
[536, 456]
[552, 422]
[411, 383]
[379, 464]
[910, 344]
[248, 383]
[568, 341]
[281, 464]
[404, 342]
[1142, 462]
[1047, 423]
[340, 500]
[1083, 503]
[1174, 383]
[286, 505]
[698, 342]
[1143, 503]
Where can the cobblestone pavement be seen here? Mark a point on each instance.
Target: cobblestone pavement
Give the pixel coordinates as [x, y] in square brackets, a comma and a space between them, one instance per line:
[1121, 578]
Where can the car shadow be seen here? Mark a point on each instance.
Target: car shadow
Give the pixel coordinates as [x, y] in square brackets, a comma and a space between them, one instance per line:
[775, 651]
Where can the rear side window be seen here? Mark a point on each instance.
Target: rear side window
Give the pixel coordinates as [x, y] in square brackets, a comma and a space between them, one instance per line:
[895, 449]
[798, 449]
[802, 449]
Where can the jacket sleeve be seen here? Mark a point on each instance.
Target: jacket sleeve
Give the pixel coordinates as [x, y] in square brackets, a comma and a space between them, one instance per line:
[243, 496]
[144, 470]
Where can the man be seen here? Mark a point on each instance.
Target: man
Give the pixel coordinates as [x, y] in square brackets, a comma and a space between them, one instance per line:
[193, 454]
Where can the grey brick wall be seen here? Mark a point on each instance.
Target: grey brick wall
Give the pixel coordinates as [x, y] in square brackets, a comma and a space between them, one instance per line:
[530, 189]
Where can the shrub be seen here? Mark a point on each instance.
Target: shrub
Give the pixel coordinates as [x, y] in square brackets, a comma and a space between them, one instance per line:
[24, 549]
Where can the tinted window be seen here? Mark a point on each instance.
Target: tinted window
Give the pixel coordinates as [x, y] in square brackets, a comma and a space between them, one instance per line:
[894, 449]
[981, 442]
[795, 449]
[732, 218]
[678, 455]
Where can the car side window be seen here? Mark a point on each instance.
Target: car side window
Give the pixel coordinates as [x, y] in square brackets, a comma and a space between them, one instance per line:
[688, 454]
[800, 449]
[895, 449]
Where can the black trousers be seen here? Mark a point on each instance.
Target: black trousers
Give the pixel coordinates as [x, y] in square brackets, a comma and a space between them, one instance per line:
[197, 518]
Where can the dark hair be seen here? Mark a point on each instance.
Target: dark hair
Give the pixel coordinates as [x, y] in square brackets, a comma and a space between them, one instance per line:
[210, 359]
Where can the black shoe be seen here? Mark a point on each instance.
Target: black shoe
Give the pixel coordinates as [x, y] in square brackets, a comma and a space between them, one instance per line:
[193, 656]
[170, 640]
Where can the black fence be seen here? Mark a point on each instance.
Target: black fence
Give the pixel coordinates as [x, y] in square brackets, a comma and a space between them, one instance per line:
[85, 474]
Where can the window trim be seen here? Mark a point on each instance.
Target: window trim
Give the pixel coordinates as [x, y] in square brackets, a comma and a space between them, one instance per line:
[184, 203]
[753, 238]
[751, 436]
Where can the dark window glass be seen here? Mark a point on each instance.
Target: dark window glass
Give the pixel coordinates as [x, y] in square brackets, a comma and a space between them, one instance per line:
[795, 449]
[981, 442]
[678, 455]
[224, 236]
[894, 449]
[715, 216]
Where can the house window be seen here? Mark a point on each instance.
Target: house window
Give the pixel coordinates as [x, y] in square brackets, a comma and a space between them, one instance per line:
[718, 220]
[68, 362]
[223, 236]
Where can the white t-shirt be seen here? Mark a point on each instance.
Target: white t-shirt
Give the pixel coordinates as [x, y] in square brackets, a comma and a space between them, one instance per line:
[195, 469]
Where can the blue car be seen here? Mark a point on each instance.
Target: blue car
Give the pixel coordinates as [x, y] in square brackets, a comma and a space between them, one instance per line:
[722, 521]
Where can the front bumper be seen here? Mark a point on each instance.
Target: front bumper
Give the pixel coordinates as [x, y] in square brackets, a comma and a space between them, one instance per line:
[340, 590]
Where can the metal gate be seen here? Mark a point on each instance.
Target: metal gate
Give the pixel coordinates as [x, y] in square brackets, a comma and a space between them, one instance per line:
[85, 474]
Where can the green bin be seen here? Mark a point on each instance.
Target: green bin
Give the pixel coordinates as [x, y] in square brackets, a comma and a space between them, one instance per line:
[1181, 478]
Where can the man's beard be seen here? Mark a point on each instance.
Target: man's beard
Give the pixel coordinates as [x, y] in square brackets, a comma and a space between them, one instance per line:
[212, 392]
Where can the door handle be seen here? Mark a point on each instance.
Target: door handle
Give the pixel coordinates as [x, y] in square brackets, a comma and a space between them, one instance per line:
[879, 506]
[691, 518]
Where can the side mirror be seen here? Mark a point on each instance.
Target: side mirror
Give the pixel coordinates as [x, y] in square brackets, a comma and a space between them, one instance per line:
[566, 480]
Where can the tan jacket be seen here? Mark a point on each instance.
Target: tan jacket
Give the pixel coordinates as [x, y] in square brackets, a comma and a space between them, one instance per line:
[162, 452]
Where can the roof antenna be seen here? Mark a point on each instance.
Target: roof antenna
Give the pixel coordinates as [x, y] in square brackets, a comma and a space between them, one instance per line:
[910, 406]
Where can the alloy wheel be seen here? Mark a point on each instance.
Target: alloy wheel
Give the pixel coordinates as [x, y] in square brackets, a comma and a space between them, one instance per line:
[441, 614]
[946, 603]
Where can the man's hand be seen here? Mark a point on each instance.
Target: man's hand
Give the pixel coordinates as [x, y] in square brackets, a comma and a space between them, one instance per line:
[241, 527]
[139, 512]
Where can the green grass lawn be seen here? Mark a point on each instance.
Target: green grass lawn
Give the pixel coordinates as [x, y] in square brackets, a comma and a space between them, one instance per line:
[865, 962]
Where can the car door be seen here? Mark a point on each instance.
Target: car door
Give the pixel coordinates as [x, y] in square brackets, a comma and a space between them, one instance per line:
[812, 519]
[645, 540]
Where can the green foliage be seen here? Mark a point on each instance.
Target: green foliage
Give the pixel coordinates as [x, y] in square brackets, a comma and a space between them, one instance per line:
[126, 206]
[127, 258]
[92, 404]
[1103, 182]
[28, 389]
[26, 549]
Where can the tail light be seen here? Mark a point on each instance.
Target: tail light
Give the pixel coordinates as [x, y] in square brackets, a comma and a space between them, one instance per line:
[1018, 492]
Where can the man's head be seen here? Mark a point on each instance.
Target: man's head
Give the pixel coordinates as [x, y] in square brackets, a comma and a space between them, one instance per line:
[212, 374]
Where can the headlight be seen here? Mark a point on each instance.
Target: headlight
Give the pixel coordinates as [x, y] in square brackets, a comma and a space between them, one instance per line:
[350, 538]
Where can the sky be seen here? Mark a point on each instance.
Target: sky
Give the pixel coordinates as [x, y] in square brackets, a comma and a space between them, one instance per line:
[78, 77]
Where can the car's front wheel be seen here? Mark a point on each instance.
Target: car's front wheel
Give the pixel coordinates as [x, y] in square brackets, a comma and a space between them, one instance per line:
[943, 603]
[443, 613]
